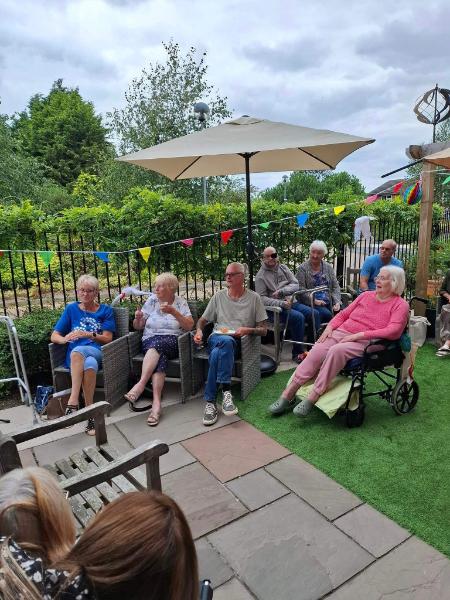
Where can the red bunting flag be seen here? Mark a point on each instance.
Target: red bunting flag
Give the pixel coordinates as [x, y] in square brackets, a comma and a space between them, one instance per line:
[397, 187]
[225, 236]
[188, 242]
[1, 253]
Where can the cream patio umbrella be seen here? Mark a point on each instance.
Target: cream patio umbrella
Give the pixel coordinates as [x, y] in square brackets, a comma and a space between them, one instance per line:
[441, 158]
[247, 145]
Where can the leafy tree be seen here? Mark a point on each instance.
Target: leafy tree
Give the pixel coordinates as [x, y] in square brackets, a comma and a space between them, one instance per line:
[320, 186]
[63, 132]
[159, 107]
[20, 176]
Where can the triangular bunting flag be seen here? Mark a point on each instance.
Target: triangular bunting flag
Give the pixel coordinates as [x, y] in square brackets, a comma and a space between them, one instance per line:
[446, 180]
[301, 219]
[46, 256]
[226, 235]
[339, 209]
[102, 256]
[145, 252]
[188, 241]
[397, 187]
[265, 225]
[1, 253]
[370, 199]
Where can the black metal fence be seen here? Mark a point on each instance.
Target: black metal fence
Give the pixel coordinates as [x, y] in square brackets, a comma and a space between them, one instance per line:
[27, 284]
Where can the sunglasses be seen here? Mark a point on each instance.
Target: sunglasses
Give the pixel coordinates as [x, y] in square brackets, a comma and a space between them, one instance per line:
[273, 255]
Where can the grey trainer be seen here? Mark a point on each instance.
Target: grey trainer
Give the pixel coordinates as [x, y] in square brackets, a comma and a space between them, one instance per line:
[282, 405]
[210, 414]
[228, 406]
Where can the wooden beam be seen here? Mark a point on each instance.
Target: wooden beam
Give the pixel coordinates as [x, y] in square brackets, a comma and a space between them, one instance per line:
[425, 228]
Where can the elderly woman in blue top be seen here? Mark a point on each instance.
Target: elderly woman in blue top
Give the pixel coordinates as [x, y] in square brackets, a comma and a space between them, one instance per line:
[84, 326]
[164, 317]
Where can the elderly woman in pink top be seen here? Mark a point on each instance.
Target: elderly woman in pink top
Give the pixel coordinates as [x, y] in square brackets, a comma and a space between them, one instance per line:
[378, 314]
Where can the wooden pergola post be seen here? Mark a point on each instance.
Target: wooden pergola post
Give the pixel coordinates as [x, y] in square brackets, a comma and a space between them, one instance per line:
[425, 230]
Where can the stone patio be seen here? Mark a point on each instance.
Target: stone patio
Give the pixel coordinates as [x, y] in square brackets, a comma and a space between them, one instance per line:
[267, 524]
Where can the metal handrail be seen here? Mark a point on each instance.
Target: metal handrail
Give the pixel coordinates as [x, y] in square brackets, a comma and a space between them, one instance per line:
[21, 375]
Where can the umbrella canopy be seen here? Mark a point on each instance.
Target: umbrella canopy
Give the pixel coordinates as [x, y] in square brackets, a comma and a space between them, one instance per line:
[245, 145]
[439, 158]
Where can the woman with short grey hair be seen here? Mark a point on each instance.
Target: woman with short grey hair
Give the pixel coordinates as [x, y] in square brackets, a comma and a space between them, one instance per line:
[313, 273]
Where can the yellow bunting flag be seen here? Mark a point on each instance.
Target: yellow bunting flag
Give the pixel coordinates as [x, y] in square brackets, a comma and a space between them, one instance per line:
[46, 256]
[145, 253]
[339, 209]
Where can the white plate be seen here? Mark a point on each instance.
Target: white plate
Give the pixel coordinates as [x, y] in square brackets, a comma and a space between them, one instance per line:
[228, 332]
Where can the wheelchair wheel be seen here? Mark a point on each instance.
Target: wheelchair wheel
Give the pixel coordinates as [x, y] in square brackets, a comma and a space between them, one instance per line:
[404, 397]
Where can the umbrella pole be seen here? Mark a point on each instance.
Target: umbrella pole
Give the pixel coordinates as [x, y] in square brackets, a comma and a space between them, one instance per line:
[250, 248]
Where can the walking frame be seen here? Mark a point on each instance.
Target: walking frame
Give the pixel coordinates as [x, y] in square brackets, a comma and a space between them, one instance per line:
[312, 293]
[21, 375]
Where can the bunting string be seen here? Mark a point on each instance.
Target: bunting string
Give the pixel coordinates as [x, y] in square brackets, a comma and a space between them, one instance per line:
[225, 236]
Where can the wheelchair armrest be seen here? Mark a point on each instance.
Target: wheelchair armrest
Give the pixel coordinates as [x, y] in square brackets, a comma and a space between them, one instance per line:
[380, 342]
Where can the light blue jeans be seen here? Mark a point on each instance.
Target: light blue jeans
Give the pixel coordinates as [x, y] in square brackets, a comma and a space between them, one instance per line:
[92, 357]
[222, 350]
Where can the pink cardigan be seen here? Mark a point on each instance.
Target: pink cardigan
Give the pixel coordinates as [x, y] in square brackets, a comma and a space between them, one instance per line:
[374, 318]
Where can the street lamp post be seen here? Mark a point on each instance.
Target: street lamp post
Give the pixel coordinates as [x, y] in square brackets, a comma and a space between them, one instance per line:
[201, 109]
[285, 178]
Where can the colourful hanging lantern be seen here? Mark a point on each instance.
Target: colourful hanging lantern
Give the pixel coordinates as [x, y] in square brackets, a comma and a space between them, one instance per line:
[413, 194]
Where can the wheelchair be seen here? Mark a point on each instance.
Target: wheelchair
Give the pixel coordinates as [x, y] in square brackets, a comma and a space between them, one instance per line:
[400, 391]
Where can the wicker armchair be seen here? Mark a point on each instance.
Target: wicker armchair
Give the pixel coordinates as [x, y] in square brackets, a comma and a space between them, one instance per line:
[178, 369]
[112, 379]
[247, 367]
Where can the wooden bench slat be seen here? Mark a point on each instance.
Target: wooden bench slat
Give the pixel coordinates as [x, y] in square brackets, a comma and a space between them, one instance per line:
[105, 489]
[91, 496]
[81, 514]
[136, 477]
[122, 483]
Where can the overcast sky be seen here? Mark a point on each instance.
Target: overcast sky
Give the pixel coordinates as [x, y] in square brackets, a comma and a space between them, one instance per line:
[356, 67]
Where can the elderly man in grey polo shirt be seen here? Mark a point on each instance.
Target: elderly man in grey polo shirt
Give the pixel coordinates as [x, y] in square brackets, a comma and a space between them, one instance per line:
[235, 312]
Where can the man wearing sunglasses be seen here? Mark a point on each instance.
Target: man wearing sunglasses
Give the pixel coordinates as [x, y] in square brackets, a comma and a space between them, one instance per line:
[235, 312]
[275, 283]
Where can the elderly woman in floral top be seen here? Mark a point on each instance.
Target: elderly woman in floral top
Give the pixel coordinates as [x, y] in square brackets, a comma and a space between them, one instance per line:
[313, 273]
[164, 317]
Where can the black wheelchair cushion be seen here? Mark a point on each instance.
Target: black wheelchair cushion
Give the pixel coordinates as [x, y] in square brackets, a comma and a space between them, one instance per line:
[354, 363]
[268, 365]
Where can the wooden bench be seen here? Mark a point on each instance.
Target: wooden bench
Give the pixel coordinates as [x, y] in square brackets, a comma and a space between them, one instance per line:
[96, 475]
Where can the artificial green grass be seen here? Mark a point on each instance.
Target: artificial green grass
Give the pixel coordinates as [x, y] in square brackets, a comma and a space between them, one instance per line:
[400, 465]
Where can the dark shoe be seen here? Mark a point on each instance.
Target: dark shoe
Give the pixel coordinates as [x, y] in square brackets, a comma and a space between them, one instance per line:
[90, 427]
[300, 357]
[282, 405]
[228, 406]
[71, 408]
[210, 414]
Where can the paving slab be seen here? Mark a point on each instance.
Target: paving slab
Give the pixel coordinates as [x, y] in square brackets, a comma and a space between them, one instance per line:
[49, 453]
[232, 590]
[176, 458]
[211, 565]
[372, 530]
[413, 571]
[321, 492]
[178, 422]
[257, 489]
[234, 450]
[206, 503]
[289, 551]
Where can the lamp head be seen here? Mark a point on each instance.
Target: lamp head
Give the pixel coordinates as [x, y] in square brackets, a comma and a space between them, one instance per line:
[201, 109]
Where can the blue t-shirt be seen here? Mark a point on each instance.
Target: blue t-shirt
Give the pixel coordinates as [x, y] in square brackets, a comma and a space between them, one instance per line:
[73, 318]
[372, 265]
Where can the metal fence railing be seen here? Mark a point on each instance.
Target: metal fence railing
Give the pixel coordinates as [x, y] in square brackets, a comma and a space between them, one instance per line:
[26, 284]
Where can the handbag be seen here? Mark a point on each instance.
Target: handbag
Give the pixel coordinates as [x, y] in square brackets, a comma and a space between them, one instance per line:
[57, 404]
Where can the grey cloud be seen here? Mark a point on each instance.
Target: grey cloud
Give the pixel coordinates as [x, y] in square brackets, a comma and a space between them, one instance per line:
[415, 44]
[302, 54]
